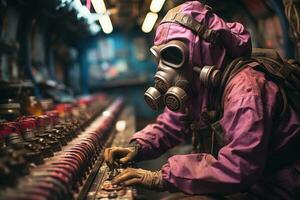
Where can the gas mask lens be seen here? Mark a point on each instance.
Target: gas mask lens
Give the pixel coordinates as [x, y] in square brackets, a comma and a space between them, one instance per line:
[173, 56]
[168, 89]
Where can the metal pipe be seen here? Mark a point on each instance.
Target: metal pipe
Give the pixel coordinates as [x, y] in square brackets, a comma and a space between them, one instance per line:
[278, 7]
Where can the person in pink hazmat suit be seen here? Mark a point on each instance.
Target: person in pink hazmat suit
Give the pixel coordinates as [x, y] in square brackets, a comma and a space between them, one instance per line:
[259, 158]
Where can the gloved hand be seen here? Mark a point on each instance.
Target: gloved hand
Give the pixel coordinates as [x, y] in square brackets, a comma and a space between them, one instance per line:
[147, 179]
[119, 155]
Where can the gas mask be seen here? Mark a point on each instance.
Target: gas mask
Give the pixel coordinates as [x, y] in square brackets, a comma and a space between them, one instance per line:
[170, 81]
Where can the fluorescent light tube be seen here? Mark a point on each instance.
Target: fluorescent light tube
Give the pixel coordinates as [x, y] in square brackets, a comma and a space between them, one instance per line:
[149, 22]
[156, 5]
[99, 6]
[106, 24]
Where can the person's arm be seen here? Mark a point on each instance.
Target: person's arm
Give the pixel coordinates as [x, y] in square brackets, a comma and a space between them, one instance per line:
[152, 141]
[155, 139]
[239, 163]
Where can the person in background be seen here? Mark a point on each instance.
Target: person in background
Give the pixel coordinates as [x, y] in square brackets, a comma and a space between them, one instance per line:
[254, 139]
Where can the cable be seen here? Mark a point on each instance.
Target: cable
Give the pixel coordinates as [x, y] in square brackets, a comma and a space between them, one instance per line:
[293, 17]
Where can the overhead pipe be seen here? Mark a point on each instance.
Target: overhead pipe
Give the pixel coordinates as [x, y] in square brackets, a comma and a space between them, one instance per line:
[278, 7]
[252, 20]
[88, 4]
[23, 34]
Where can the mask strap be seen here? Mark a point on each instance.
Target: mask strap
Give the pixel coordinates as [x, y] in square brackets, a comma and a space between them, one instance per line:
[189, 22]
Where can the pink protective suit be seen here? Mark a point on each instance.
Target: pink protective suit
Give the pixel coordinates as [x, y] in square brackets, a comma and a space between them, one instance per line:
[252, 134]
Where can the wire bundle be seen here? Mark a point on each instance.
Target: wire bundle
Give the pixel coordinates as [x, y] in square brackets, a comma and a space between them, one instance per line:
[293, 16]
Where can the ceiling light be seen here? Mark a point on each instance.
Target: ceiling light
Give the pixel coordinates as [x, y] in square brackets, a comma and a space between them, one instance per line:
[99, 6]
[156, 5]
[83, 12]
[149, 22]
[88, 4]
[92, 18]
[106, 24]
[77, 3]
[63, 3]
[121, 125]
[94, 28]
